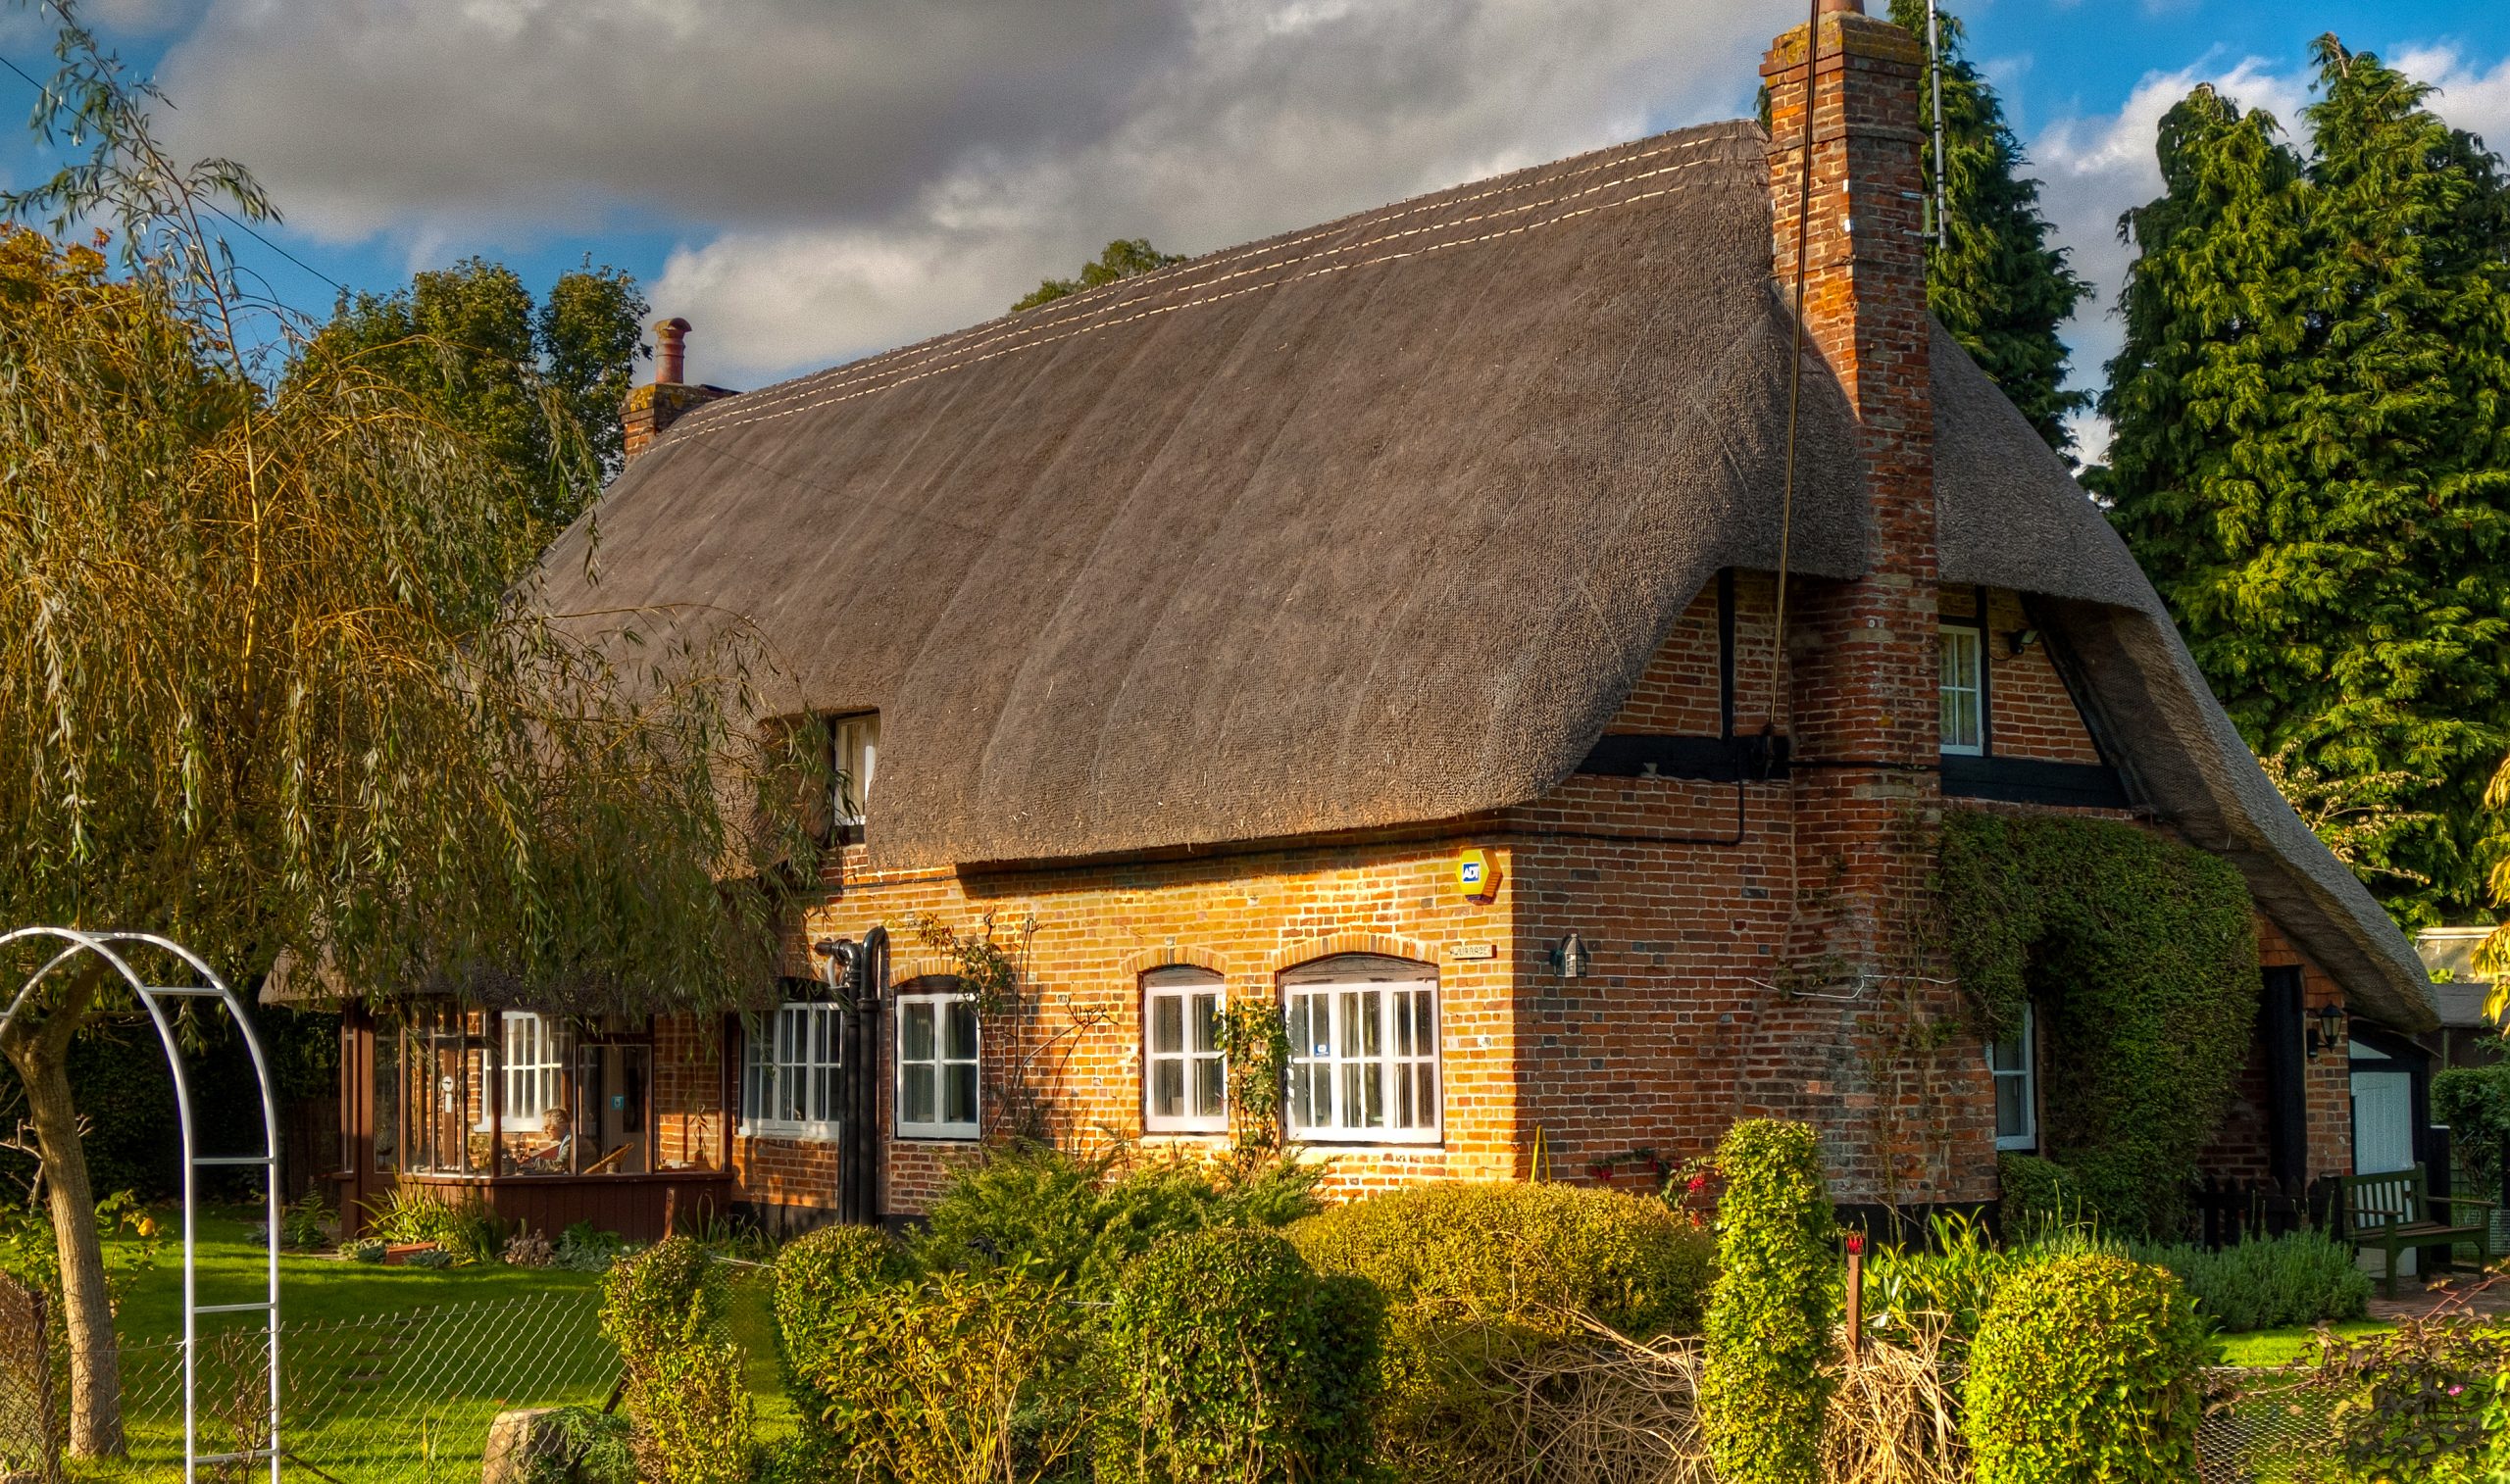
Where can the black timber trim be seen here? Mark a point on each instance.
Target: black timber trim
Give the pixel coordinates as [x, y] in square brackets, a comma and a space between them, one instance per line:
[1717, 760]
[2028, 780]
[2280, 1034]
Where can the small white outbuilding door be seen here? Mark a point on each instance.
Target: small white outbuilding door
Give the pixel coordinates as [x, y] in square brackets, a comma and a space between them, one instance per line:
[2383, 1123]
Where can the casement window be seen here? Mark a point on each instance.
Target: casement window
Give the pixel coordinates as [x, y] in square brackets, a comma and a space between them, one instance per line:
[855, 743]
[1963, 650]
[938, 1062]
[2013, 1062]
[789, 1063]
[1364, 1050]
[535, 1066]
[1184, 1078]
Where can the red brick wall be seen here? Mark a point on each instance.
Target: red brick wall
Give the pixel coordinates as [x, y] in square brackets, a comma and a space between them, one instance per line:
[2030, 711]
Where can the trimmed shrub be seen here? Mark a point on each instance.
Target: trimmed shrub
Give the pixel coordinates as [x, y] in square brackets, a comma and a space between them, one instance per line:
[685, 1389]
[2474, 1102]
[2087, 1367]
[903, 1376]
[1771, 1311]
[1082, 1219]
[2298, 1278]
[1477, 1276]
[2038, 1196]
[1231, 1360]
[830, 1290]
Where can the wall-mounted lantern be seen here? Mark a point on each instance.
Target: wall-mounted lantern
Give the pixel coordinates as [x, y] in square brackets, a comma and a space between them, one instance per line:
[2019, 640]
[2328, 1034]
[1569, 957]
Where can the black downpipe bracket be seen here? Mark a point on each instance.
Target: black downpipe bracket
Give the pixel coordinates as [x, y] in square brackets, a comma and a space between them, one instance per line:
[861, 985]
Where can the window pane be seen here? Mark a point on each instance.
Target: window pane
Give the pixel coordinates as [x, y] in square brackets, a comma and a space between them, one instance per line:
[1207, 1022]
[963, 1095]
[1167, 1088]
[916, 1093]
[1166, 1023]
[1209, 1100]
[963, 1031]
[2013, 1107]
[915, 1031]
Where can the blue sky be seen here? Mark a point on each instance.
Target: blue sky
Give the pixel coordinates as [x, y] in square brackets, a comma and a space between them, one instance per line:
[811, 179]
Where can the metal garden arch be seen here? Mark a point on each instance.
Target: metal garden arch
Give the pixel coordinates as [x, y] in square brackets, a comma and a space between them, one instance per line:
[112, 948]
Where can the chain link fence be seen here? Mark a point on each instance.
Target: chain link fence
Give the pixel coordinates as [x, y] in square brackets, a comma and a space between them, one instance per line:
[403, 1398]
[2264, 1426]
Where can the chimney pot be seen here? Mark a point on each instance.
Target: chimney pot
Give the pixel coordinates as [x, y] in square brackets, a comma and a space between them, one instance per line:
[1842, 7]
[670, 351]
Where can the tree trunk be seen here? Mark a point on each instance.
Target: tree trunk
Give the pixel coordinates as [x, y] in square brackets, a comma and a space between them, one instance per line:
[41, 1056]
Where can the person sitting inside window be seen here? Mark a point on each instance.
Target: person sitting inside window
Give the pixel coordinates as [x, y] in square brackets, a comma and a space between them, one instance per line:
[551, 1157]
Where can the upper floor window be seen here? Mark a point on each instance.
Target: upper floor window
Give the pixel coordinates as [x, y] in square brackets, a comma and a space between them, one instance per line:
[937, 1064]
[855, 743]
[1962, 651]
[1364, 1050]
[2013, 1064]
[1183, 1075]
[789, 1063]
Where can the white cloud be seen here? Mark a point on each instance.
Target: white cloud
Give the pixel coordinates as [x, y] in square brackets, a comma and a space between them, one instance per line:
[855, 175]
[2472, 100]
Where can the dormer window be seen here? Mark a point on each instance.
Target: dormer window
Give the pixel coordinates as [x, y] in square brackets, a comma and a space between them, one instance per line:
[1964, 654]
[855, 745]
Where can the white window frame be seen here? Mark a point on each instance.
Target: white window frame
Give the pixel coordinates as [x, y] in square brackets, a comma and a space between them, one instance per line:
[855, 752]
[2027, 1042]
[1331, 1058]
[1183, 987]
[791, 1063]
[542, 1070]
[1953, 638]
[940, 1004]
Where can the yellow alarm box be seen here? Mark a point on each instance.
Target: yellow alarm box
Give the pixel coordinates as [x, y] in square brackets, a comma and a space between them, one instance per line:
[1477, 875]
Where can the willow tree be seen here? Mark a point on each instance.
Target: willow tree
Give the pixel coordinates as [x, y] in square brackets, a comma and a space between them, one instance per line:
[264, 689]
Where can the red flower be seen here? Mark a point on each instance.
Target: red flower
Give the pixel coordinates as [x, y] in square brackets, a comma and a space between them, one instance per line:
[1856, 1243]
[1698, 1183]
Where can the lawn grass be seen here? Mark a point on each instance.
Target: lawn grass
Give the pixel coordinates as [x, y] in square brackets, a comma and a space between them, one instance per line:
[392, 1374]
[2281, 1346]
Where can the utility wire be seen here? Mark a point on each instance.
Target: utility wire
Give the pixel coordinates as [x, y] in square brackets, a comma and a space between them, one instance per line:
[238, 223]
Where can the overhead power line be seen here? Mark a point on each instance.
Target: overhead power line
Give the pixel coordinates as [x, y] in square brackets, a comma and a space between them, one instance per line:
[223, 215]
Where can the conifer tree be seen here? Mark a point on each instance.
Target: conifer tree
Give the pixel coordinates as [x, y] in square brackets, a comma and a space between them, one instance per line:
[2310, 453]
[1992, 279]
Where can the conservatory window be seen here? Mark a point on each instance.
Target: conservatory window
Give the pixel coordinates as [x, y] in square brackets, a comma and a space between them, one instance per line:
[1364, 1050]
[937, 1058]
[2013, 1065]
[789, 1072]
[1962, 651]
[534, 1067]
[1183, 1075]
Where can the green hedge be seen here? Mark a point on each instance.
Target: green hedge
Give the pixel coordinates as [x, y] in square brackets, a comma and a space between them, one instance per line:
[2088, 1368]
[1233, 1360]
[1475, 1275]
[2141, 954]
[684, 1389]
[1082, 1219]
[1771, 1311]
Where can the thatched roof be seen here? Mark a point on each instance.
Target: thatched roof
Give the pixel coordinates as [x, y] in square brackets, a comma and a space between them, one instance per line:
[1372, 524]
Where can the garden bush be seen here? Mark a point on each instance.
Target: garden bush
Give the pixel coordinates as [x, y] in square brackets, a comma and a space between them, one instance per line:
[1940, 1288]
[2087, 1367]
[2422, 1402]
[683, 1387]
[2474, 1102]
[902, 1375]
[1232, 1361]
[2298, 1278]
[1082, 1219]
[466, 1231]
[1479, 1276]
[1773, 1306]
[2038, 1196]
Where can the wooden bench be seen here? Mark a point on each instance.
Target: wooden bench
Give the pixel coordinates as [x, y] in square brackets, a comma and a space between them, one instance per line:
[2392, 1213]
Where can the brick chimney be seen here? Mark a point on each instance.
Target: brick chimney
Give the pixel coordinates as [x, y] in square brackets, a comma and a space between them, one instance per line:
[653, 407]
[1901, 1125]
